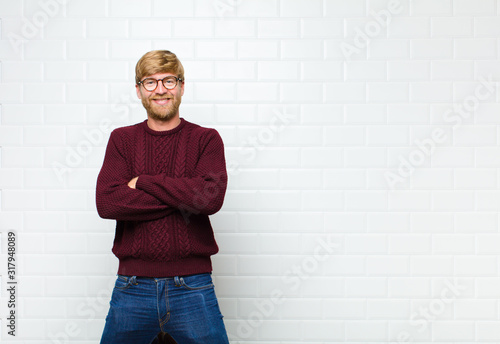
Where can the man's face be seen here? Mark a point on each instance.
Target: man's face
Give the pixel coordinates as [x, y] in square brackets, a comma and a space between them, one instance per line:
[161, 104]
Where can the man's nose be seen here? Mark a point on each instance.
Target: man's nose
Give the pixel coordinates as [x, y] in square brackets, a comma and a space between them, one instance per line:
[161, 89]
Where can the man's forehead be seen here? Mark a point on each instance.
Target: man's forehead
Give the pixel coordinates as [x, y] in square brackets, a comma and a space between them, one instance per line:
[158, 75]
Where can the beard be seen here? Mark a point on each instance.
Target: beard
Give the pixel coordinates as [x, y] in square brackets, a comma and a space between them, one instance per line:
[162, 112]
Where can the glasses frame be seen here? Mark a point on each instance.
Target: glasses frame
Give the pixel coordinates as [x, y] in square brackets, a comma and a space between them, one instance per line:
[177, 80]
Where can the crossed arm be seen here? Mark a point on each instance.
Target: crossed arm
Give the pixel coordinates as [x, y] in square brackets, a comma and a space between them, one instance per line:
[149, 197]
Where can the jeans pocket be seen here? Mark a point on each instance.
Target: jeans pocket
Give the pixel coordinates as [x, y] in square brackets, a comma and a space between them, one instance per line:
[197, 282]
[122, 282]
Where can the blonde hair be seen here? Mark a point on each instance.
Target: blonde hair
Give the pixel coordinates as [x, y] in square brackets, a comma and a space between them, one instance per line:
[158, 61]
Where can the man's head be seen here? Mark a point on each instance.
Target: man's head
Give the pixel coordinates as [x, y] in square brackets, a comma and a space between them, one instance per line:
[163, 67]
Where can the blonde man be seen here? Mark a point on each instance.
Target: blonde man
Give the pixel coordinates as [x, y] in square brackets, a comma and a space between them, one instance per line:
[160, 180]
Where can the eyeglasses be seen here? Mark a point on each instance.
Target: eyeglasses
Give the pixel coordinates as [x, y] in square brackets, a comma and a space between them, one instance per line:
[168, 82]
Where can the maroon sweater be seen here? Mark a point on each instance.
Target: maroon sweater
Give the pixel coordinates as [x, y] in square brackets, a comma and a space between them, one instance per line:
[162, 226]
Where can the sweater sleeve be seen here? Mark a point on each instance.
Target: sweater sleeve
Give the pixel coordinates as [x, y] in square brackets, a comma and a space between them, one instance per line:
[203, 192]
[114, 198]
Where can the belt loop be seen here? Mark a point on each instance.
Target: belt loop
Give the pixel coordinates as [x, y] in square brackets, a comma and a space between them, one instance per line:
[177, 282]
[133, 280]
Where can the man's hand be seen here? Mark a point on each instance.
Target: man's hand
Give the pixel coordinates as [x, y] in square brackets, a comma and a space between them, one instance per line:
[131, 184]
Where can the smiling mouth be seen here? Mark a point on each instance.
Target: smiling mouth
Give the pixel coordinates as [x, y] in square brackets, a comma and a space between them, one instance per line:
[162, 101]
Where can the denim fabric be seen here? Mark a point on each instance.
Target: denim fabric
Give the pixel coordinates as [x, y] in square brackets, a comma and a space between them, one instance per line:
[184, 307]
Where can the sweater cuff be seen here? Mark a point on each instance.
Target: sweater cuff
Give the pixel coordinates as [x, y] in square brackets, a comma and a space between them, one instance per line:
[142, 182]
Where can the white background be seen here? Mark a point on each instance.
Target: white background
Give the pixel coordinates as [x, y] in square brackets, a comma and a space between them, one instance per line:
[316, 246]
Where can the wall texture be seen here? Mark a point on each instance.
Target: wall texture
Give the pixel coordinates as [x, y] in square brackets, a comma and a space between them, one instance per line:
[362, 141]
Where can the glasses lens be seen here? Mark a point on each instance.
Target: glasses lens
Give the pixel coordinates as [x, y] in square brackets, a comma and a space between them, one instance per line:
[149, 84]
[170, 82]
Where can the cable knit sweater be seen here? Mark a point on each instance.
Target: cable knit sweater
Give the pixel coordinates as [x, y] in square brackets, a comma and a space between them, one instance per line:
[162, 226]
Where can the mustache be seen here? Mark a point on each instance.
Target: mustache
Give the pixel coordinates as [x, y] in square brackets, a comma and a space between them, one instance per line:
[161, 98]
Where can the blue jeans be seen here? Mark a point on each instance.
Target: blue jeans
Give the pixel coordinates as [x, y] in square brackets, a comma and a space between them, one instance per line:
[184, 307]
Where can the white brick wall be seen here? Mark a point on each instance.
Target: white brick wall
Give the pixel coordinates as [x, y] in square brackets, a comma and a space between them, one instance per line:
[364, 211]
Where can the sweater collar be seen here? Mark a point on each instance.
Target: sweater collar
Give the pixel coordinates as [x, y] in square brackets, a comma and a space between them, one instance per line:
[164, 132]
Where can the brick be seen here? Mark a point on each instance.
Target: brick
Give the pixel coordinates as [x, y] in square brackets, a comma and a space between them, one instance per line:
[164, 9]
[363, 331]
[379, 222]
[408, 70]
[43, 93]
[57, 71]
[384, 92]
[475, 179]
[9, 9]
[22, 200]
[11, 178]
[432, 178]
[86, 8]
[86, 93]
[21, 157]
[300, 179]
[409, 287]
[409, 244]
[432, 49]
[387, 309]
[344, 135]
[258, 49]
[381, 48]
[344, 309]
[452, 26]
[301, 8]
[21, 71]
[107, 71]
[486, 26]
[470, 222]
[283, 70]
[453, 244]
[432, 7]
[11, 93]
[452, 70]
[64, 28]
[86, 49]
[362, 70]
[284, 28]
[256, 8]
[129, 50]
[431, 265]
[215, 49]
[431, 92]
[130, 8]
[322, 28]
[472, 265]
[147, 29]
[301, 49]
[107, 29]
[478, 7]
[342, 92]
[11, 136]
[345, 179]
[291, 92]
[438, 222]
[338, 8]
[409, 27]
[236, 28]
[475, 135]
[65, 200]
[192, 28]
[477, 48]
[235, 70]
[365, 157]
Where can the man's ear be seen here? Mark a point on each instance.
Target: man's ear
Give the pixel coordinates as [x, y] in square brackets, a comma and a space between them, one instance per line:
[138, 91]
[182, 88]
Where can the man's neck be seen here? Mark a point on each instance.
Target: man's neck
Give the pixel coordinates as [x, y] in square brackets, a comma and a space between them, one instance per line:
[158, 125]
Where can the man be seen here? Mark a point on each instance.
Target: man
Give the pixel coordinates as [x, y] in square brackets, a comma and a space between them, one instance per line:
[160, 180]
